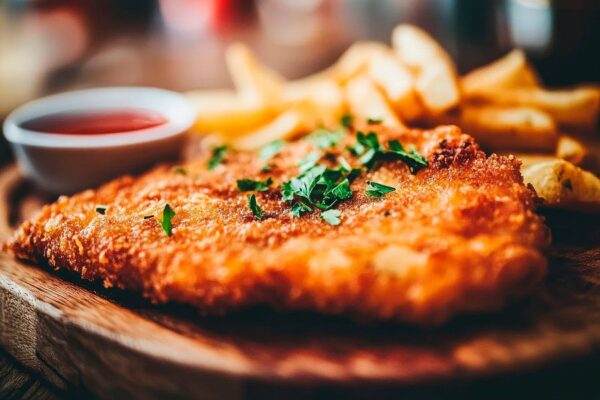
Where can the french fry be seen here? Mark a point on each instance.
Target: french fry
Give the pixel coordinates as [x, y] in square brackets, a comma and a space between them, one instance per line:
[561, 184]
[397, 83]
[224, 111]
[350, 64]
[512, 70]
[325, 94]
[290, 124]
[255, 83]
[436, 81]
[508, 128]
[529, 159]
[365, 101]
[571, 149]
[573, 108]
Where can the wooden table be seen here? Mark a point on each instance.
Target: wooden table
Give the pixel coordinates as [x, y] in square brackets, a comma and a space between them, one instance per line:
[90, 341]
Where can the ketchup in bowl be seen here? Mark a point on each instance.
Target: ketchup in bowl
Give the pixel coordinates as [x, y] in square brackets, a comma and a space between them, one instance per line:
[95, 122]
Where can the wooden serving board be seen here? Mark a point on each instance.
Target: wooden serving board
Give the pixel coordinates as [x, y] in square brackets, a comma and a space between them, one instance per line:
[110, 343]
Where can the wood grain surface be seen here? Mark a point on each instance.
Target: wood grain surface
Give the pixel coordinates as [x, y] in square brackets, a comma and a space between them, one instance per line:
[109, 343]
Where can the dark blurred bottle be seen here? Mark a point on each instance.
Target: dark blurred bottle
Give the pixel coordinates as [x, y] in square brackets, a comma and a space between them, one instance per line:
[561, 37]
[572, 54]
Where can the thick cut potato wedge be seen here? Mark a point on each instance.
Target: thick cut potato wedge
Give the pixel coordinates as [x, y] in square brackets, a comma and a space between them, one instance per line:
[436, 81]
[571, 149]
[366, 101]
[351, 63]
[561, 184]
[529, 159]
[508, 128]
[397, 83]
[437, 88]
[325, 94]
[255, 83]
[573, 108]
[224, 111]
[292, 123]
[512, 70]
[416, 48]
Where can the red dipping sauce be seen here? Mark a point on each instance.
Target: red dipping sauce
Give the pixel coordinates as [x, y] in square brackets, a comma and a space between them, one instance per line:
[95, 122]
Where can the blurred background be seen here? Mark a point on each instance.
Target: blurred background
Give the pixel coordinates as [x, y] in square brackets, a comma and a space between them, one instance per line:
[49, 46]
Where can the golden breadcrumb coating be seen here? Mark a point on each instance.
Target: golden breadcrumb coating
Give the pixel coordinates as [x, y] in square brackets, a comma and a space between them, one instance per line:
[460, 236]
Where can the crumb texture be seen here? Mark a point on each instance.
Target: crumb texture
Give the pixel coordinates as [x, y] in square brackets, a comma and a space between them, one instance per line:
[460, 236]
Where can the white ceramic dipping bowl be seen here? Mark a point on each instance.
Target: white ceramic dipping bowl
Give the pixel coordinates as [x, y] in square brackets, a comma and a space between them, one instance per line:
[67, 163]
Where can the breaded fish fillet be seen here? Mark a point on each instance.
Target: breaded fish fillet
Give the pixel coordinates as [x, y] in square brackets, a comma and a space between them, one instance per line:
[459, 236]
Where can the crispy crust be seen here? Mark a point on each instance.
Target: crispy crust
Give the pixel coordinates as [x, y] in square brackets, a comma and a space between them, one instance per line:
[460, 236]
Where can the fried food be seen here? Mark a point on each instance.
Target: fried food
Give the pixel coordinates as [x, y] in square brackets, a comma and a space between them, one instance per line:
[576, 107]
[366, 101]
[436, 78]
[503, 128]
[512, 70]
[561, 184]
[458, 236]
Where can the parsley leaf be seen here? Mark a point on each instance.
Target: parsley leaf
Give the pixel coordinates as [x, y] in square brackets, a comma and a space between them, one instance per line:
[304, 184]
[253, 204]
[344, 163]
[325, 139]
[367, 148]
[270, 150]
[346, 121]
[342, 190]
[246, 185]
[309, 161]
[369, 152]
[320, 187]
[413, 158]
[180, 170]
[300, 208]
[378, 190]
[287, 193]
[353, 174]
[101, 209]
[370, 140]
[217, 156]
[167, 215]
[374, 121]
[332, 217]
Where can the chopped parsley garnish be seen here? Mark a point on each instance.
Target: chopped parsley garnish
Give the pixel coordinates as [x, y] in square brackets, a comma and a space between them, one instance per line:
[342, 190]
[567, 184]
[378, 190]
[367, 148]
[318, 187]
[413, 158]
[180, 170]
[167, 215]
[332, 217]
[101, 209]
[217, 156]
[309, 161]
[325, 139]
[374, 121]
[300, 208]
[346, 121]
[369, 151]
[254, 207]
[246, 185]
[270, 150]
[344, 163]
